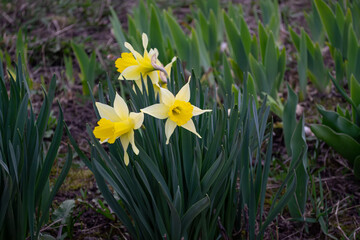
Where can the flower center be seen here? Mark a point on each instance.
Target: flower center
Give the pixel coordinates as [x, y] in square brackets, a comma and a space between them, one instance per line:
[180, 112]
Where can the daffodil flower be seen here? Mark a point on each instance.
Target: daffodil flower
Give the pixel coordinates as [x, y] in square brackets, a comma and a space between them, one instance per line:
[117, 122]
[176, 109]
[134, 65]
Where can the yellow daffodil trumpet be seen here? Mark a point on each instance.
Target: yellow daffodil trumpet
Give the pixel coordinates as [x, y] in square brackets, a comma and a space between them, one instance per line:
[117, 122]
[176, 109]
[133, 65]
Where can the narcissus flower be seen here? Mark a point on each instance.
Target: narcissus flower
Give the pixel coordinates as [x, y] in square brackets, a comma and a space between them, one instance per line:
[117, 122]
[134, 65]
[176, 109]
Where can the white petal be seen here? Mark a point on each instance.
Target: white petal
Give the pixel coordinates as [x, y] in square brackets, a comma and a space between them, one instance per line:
[198, 111]
[184, 93]
[138, 119]
[169, 65]
[154, 76]
[167, 97]
[145, 41]
[191, 127]
[169, 129]
[132, 50]
[132, 141]
[120, 107]
[159, 111]
[139, 84]
[107, 112]
[125, 143]
[131, 73]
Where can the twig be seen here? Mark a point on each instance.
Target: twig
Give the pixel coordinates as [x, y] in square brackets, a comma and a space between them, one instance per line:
[337, 220]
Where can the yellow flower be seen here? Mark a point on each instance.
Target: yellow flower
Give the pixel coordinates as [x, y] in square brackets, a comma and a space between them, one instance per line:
[117, 122]
[134, 65]
[176, 109]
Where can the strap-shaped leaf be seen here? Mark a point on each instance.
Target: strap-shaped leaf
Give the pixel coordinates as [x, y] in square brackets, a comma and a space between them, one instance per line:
[118, 32]
[51, 155]
[329, 22]
[345, 145]
[179, 37]
[339, 124]
[193, 212]
[277, 209]
[236, 43]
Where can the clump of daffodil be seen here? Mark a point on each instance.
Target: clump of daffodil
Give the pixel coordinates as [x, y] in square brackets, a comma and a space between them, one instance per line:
[176, 109]
[117, 122]
[134, 65]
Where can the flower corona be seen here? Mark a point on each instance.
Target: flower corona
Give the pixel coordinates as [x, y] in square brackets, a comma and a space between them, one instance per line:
[117, 122]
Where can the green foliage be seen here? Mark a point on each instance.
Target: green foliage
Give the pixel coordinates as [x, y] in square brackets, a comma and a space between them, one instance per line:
[342, 34]
[271, 16]
[190, 187]
[25, 165]
[310, 63]
[296, 148]
[341, 131]
[87, 67]
[314, 22]
[269, 71]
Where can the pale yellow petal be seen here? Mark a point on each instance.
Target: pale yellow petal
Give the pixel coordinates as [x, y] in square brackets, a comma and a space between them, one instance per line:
[197, 111]
[191, 127]
[155, 52]
[107, 112]
[139, 84]
[131, 73]
[145, 41]
[132, 141]
[138, 119]
[184, 93]
[132, 50]
[167, 97]
[159, 110]
[154, 76]
[120, 107]
[125, 143]
[169, 129]
[169, 65]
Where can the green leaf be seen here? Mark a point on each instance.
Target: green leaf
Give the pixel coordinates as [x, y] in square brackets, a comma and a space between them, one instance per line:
[179, 37]
[236, 43]
[289, 118]
[295, 39]
[345, 145]
[118, 32]
[194, 63]
[64, 211]
[156, 35]
[339, 124]
[270, 65]
[50, 156]
[258, 72]
[193, 212]
[299, 150]
[302, 65]
[330, 23]
[278, 207]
